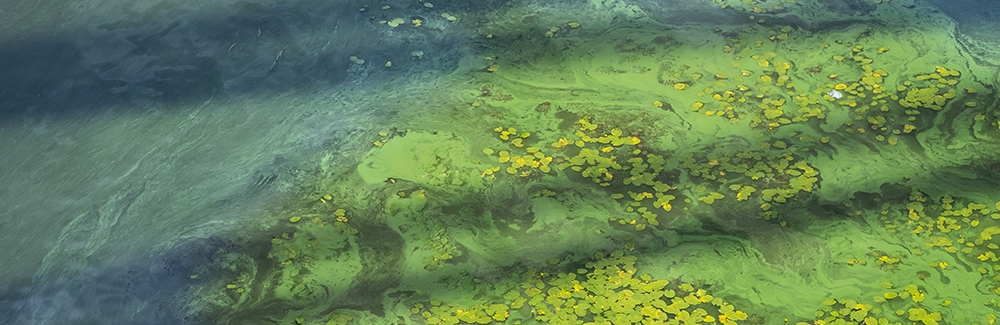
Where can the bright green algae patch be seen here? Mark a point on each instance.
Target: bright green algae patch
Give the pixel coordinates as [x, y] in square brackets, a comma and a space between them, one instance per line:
[426, 158]
[768, 172]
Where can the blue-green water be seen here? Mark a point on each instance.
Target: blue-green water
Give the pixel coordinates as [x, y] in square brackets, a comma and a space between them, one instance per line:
[507, 162]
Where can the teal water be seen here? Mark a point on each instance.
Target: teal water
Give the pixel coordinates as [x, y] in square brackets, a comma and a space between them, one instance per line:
[507, 162]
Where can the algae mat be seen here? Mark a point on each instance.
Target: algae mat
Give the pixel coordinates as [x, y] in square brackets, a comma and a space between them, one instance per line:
[803, 162]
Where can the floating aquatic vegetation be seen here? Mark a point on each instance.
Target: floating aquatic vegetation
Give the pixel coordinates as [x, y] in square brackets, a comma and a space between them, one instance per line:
[711, 197]
[778, 177]
[891, 307]
[961, 227]
[765, 100]
[449, 17]
[756, 6]
[294, 254]
[395, 22]
[606, 290]
[743, 192]
[887, 261]
[545, 193]
[523, 165]
[932, 94]
[606, 159]
[889, 111]
[442, 249]
[383, 138]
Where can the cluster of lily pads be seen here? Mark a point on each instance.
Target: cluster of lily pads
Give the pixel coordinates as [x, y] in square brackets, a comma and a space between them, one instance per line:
[930, 90]
[777, 176]
[545, 193]
[522, 165]
[309, 240]
[893, 307]
[443, 250]
[340, 216]
[884, 261]
[606, 291]
[436, 312]
[887, 261]
[959, 226]
[889, 112]
[756, 6]
[334, 319]
[597, 160]
[962, 227]
[607, 156]
[311, 245]
[613, 159]
[766, 7]
[764, 92]
[383, 138]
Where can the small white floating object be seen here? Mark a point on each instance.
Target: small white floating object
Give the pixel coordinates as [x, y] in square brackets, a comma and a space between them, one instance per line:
[835, 94]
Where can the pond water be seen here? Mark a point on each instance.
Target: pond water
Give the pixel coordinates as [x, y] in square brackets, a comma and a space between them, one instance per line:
[500, 162]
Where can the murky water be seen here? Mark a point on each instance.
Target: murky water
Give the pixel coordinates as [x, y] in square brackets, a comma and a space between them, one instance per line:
[517, 162]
